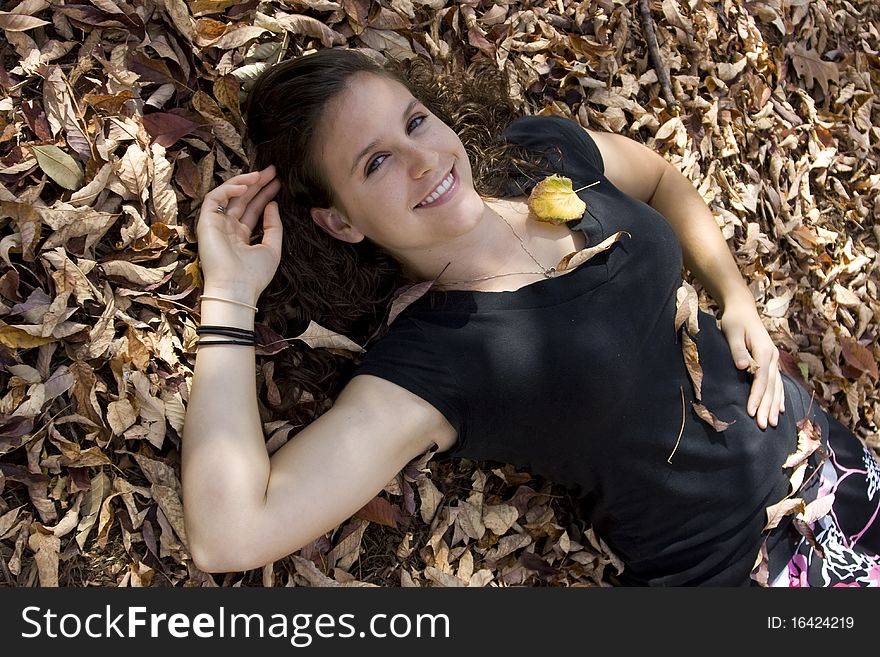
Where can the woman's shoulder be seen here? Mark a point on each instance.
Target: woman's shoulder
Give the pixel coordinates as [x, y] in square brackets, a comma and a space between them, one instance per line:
[545, 133]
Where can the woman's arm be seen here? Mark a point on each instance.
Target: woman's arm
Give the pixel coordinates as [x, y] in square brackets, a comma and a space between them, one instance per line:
[243, 509]
[643, 174]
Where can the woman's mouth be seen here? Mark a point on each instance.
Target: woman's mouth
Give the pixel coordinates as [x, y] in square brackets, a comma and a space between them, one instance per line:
[442, 193]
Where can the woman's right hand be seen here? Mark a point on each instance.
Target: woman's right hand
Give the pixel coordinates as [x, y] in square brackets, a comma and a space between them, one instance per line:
[230, 264]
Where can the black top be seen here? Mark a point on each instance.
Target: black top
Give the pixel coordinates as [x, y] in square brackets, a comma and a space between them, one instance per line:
[579, 378]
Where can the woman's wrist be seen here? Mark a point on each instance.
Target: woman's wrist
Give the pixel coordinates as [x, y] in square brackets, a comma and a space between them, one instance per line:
[236, 292]
[738, 300]
[217, 313]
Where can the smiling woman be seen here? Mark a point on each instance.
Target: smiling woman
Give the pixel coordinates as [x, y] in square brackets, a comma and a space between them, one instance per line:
[687, 448]
[348, 283]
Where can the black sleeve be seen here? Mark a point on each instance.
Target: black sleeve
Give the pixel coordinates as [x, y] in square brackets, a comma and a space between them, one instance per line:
[543, 133]
[404, 357]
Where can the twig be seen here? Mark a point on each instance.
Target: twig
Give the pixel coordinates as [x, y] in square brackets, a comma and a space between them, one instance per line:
[680, 431]
[654, 52]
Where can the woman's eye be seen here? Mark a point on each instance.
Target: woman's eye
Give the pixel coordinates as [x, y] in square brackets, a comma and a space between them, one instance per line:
[374, 163]
[414, 123]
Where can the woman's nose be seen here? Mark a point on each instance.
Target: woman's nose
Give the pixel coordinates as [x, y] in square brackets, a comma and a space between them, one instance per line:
[422, 160]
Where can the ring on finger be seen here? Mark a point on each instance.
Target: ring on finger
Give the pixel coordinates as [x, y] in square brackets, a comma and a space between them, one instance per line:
[221, 209]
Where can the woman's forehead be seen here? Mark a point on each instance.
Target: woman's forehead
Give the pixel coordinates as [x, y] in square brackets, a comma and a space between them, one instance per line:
[367, 92]
[357, 116]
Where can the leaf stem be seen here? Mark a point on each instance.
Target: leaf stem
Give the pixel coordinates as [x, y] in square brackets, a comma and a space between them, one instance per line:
[587, 186]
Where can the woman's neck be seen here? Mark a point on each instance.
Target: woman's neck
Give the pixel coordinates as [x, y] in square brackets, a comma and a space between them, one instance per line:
[504, 251]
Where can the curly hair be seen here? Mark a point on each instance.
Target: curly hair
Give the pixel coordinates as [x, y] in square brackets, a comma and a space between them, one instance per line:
[346, 287]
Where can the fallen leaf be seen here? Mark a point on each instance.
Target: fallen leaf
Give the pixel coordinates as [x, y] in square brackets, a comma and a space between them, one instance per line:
[499, 518]
[687, 307]
[554, 200]
[778, 511]
[573, 260]
[809, 65]
[46, 548]
[381, 511]
[709, 417]
[858, 356]
[429, 497]
[761, 569]
[59, 166]
[316, 336]
[19, 22]
[692, 363]
[809, 440]
[806, 531]
[406, 296]
[818, 508]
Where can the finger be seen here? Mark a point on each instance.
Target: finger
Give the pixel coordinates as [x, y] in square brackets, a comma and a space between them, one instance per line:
[238, 207]
[757, 394]
[759, 384]
[258, 204]
[252, 177]
[218, 200]
[272, 228]
[769, 374]
[782, 395]
[776, 408]
[738, 350]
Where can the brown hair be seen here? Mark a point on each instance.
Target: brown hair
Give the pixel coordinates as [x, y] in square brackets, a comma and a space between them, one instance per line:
[347, 287]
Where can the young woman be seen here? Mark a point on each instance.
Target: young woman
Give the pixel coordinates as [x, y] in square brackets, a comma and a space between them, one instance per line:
[577, 375]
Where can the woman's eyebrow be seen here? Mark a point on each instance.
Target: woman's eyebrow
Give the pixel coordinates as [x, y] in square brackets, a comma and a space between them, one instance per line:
[375, 142]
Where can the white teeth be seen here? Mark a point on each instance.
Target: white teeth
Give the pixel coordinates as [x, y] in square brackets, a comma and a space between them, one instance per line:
[437, 193]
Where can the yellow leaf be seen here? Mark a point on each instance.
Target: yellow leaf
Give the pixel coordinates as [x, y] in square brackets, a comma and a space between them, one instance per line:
[553, 200]
[15, 338]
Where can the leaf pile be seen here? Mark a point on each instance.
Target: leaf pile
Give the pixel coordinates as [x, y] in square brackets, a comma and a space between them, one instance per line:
[117, 116]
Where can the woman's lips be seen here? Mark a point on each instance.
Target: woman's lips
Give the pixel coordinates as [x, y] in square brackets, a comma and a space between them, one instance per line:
[446, 196]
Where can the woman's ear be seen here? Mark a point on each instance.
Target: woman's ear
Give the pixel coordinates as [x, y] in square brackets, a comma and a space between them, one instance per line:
[335, 224]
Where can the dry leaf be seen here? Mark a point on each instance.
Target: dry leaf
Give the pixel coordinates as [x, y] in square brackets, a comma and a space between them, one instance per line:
[809, 65]
[709, 417]
[46, 548]
[381, 511]
[816, 509]
[573, 260]
[59, 166]
[692, 362]
[687, 308]
[761, 569]
[316, 336]
[778, 511]
[858, 356]
[809, 440]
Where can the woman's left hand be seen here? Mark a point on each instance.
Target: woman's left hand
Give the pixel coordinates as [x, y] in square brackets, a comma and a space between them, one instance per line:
[753, 349]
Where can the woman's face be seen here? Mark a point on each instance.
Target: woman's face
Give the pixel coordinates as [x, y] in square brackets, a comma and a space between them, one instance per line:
[399, 175]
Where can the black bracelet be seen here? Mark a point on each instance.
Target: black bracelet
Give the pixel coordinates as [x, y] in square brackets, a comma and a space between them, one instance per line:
[246, 343]
[228, 331]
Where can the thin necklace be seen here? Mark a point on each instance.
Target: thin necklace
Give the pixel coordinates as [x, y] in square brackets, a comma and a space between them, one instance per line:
[547, 273]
